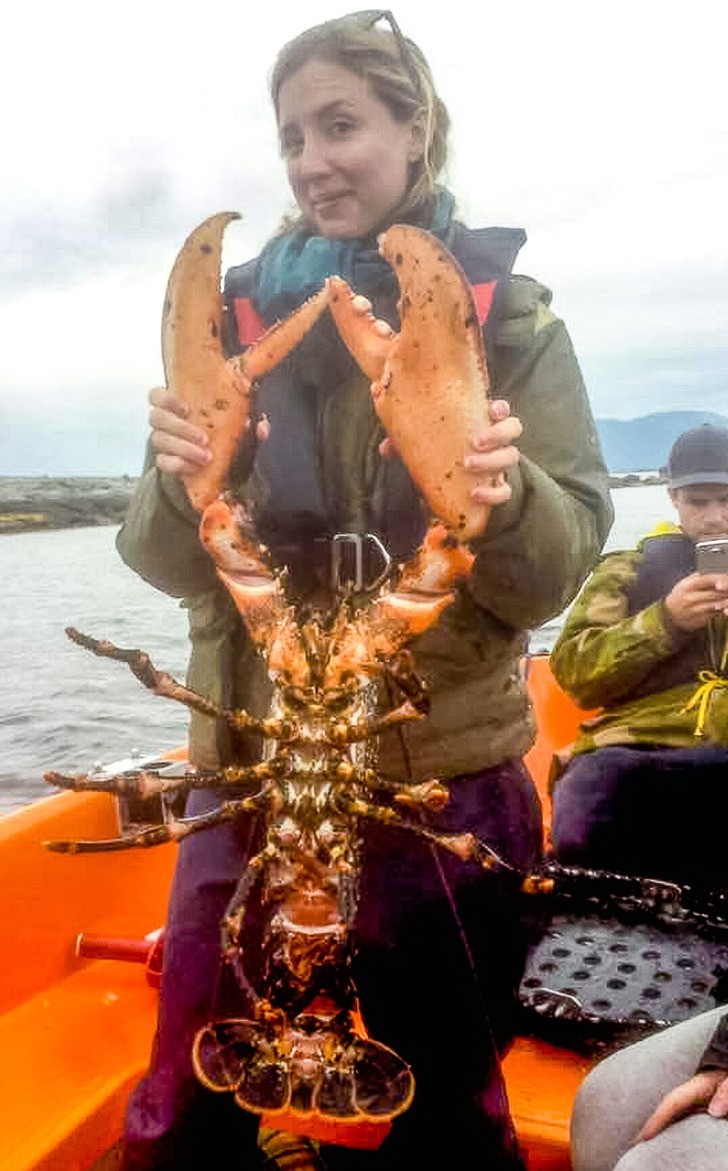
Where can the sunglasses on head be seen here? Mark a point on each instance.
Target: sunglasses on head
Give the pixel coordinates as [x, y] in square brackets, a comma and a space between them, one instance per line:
[367, 19]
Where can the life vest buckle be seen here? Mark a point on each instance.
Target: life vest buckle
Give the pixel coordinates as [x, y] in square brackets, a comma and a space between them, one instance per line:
[352, 571]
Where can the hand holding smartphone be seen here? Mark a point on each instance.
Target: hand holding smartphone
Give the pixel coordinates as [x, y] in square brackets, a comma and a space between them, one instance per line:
[712, 556]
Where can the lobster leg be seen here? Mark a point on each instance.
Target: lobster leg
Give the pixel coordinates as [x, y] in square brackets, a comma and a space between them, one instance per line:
[147, 783]
[340, 734]
[161, 683]
[430, 794]
[466, 846]
[234, 917]
[171, 831]
[234, 914]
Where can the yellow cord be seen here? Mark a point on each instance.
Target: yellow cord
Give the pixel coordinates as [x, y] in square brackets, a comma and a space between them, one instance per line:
[709, 683]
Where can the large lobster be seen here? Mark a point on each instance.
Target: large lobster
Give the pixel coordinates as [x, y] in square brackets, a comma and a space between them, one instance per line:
[301, 1055]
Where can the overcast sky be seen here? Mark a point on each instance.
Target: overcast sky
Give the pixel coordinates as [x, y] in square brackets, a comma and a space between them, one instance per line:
[600, 128]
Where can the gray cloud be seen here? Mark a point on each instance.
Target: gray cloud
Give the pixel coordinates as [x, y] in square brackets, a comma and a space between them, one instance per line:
[136, 217]
[650, 338]
[56, 245]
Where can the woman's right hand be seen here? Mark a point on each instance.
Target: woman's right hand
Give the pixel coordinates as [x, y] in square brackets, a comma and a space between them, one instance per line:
[182, 449]
[697, 598]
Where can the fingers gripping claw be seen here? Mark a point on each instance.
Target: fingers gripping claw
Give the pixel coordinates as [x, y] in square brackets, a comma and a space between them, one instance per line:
[429, 381]
[217, 391]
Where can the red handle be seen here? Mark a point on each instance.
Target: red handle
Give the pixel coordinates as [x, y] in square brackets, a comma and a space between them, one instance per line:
[147, 951]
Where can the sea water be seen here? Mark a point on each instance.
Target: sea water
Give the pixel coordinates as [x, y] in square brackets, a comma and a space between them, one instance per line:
[65, 709]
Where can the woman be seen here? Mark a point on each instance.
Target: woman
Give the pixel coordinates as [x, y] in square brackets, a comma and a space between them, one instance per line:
[364, 138]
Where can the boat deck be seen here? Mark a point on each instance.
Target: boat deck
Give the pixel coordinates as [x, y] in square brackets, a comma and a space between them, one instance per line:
[75, 1035]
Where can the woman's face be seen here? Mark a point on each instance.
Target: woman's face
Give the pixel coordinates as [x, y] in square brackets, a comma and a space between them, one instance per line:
[348, 159]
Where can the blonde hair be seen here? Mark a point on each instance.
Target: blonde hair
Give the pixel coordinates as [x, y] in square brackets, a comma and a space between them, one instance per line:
[398, 74]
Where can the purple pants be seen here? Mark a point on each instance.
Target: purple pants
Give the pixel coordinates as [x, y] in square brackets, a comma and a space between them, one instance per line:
[656, 812]
[440, 948]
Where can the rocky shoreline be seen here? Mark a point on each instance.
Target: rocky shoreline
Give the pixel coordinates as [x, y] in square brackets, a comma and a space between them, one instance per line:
[29, 503]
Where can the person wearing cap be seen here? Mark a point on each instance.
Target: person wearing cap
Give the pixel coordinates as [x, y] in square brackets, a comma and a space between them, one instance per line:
[643, 788]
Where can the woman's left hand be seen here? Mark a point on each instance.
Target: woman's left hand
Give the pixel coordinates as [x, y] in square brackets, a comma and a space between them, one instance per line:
[493, 453]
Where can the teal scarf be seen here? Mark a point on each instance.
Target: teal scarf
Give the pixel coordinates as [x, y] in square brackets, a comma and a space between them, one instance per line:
[293, 267]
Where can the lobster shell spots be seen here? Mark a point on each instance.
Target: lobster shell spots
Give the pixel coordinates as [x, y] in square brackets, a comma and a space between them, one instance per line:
[429, 382]
[194, 366]
[217, 391]
[432, 396]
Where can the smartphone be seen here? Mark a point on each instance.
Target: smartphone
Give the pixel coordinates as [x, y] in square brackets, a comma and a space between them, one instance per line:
[712, 556]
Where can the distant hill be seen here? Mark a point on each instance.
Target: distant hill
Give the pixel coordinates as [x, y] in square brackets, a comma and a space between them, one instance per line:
[106, 438]
[642, 445]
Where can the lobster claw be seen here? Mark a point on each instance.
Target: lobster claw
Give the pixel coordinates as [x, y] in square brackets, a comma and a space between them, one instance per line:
[241, 565]
[424, 589]
[254, 588]
[430, 380]
[216, 390]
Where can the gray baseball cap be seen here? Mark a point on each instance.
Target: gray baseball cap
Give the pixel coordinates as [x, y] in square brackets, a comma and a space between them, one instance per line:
[699, 456]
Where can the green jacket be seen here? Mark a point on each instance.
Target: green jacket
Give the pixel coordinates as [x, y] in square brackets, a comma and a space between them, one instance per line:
[529, 564]
[607, 658]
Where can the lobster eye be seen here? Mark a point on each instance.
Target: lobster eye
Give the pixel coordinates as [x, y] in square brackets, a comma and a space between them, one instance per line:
[304, 699]
[294, 698]
[339, 700]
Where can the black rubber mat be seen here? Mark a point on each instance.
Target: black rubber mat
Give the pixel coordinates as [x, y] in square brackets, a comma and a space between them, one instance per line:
[602, 969]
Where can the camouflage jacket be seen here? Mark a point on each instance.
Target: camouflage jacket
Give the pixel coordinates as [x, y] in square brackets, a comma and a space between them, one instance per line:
[621, 662]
